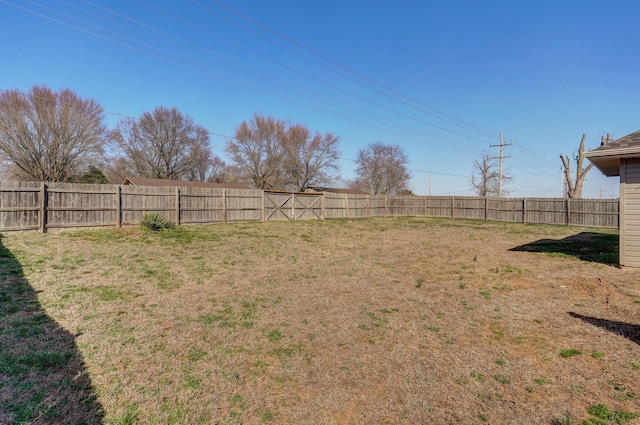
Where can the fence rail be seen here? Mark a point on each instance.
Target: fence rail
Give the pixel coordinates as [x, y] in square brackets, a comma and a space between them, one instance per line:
[44, 206]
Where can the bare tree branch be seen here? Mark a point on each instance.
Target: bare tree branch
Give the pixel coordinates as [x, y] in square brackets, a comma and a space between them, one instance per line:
[257, 150]
[273, 155]
[309, 160]
[382, 169]
[485, 177]
[162, 144]
[49, 136]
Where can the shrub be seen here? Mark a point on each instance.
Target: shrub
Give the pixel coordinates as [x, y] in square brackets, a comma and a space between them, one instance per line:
[155, 222]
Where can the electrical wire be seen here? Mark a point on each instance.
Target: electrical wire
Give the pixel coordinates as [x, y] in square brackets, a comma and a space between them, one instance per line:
[230, 77]
[441, 115]
[233, 79]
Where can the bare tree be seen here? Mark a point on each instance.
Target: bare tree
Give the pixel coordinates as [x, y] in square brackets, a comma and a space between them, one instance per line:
[221, 172]
[49, 136]
[382, 169]
[257, 150]
[485, 177]
[309, 159]
[271, 154]
[117, 169]
[574, 188]
[163, 144]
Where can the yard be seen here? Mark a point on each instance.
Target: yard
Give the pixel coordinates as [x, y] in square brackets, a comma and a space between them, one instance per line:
[380, 321]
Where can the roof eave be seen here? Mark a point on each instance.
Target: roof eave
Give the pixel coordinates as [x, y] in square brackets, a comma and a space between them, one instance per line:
[613, 153]
[608, 161]
[610, 168]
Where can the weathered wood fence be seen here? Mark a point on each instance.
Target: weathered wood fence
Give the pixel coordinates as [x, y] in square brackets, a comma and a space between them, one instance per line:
[47, 206]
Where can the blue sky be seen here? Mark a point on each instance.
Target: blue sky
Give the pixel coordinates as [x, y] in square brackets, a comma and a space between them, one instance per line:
[442, 79]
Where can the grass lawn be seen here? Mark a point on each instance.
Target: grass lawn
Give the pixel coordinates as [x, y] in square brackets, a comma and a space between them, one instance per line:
[381, 321]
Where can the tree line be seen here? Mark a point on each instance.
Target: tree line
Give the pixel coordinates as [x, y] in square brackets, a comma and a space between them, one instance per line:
[58, 136]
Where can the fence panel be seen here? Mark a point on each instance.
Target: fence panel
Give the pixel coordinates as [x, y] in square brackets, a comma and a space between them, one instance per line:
[397, 206]
[201, 205]
[335, 205]
[278, 206]
[505, 209]
[244, 205]
[80, 205]
[307, 206]
[140, 200]
[357, 206]
[594, 213]
[20, 206]
[377, 206]
[470, 207]
[440, 206]
[546, 211]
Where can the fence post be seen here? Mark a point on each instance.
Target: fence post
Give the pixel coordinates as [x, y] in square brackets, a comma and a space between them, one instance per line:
[486, 208]
[323, 214]
[262, 213]
[43, 207]
[177, 205]
[386, 206]
[118, 207]
[568, 211]
[424, 206]
[406, 206]
[224, 206]
[346, 205]
[524, 210]
[293, 207]
[453, 206]
[366, 206]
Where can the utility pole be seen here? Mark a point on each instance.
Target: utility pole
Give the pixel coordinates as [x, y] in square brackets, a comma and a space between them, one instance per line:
[429, 183]
[501, 146]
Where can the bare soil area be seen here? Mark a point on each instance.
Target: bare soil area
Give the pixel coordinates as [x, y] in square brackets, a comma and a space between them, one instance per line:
[381, 321]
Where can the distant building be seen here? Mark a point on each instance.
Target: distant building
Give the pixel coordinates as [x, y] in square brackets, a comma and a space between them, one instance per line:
[141, 181]
[336, 190]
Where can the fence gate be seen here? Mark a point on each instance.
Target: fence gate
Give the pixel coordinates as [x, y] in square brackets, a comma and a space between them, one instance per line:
[292, 206]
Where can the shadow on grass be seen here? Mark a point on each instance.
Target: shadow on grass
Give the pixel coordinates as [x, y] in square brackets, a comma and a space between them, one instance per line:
[627, 330]
[42, 374]
[586, 246]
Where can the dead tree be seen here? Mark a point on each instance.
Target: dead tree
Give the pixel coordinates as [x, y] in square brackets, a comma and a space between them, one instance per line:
[574, 188]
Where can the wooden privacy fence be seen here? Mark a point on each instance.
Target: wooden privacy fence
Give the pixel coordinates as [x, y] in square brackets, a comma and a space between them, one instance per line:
[45, 206]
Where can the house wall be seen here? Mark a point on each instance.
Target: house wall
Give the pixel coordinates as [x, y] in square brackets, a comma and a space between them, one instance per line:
[630, 212]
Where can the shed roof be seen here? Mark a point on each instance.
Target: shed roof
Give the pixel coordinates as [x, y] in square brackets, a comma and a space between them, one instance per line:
[607, 157]
[338, 190]
[141, 181]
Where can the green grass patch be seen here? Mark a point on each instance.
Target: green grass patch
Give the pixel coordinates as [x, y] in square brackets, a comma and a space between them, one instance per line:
[619, 417]
[569, 352]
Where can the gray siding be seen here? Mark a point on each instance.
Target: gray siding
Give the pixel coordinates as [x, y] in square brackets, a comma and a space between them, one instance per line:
[630, 212]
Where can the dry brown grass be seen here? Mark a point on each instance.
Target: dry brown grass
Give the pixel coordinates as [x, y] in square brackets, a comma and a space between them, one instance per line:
[406, 320]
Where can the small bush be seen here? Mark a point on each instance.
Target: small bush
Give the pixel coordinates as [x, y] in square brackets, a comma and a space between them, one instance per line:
[156, 222]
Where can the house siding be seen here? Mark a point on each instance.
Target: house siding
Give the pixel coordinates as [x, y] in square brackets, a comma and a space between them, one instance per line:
[630, 218]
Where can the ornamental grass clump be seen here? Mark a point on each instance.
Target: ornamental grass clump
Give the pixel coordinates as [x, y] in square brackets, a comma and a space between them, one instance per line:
[156, 222]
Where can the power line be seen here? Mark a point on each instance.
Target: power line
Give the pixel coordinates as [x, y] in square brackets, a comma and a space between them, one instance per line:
[435, 112]
[311, 77]
[354, 114]
[208, 70]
